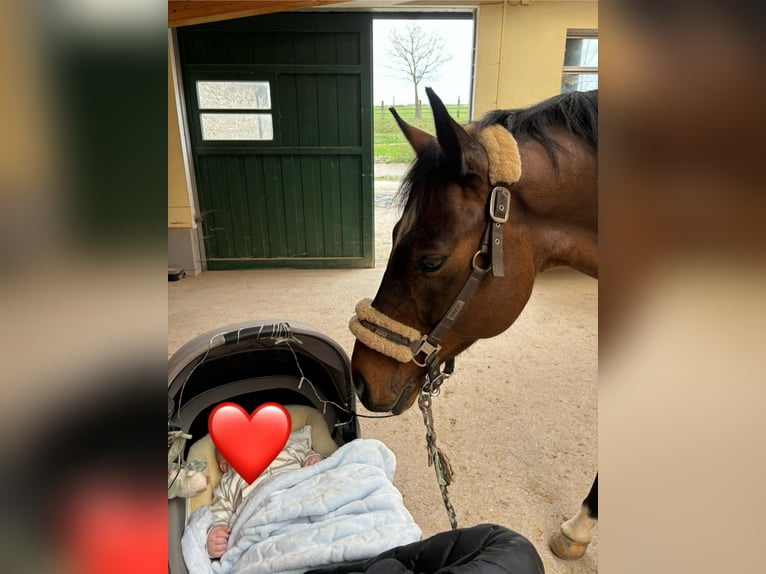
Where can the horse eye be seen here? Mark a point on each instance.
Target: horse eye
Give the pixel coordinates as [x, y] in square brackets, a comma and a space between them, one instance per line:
[430, 264]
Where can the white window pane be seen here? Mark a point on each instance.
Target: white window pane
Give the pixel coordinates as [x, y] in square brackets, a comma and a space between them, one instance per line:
[579, 82]
[237, 127]
[234, 95]
[581, 52]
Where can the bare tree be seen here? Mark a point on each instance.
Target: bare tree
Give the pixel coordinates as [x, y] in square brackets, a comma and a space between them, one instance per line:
[416, 55]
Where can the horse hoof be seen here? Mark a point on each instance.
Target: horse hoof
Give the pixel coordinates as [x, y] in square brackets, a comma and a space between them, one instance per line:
[566, 548]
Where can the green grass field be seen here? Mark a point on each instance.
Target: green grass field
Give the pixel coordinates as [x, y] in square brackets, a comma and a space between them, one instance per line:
[390, 144]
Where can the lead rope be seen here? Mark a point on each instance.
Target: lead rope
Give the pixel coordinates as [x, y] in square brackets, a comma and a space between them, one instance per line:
[436, 457]
[492, 243]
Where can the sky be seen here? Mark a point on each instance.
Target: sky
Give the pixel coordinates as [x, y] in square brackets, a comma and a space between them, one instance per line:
[454, 77]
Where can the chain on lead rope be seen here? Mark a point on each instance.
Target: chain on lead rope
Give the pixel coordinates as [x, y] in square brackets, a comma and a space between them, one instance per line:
[436, 457]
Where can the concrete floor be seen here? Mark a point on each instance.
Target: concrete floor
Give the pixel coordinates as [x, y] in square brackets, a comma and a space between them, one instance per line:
[520, 431]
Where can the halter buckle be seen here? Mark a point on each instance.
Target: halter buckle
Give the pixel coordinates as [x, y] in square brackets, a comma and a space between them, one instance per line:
[499, 202]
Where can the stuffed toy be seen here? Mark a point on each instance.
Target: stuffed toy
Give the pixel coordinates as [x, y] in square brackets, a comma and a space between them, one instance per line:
[176, 442]
[187, 481]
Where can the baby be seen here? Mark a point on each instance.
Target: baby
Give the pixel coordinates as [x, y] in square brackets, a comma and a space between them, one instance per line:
[232, 489]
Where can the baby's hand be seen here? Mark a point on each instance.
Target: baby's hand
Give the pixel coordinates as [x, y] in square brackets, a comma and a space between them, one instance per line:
[216, 540]
[312, 459]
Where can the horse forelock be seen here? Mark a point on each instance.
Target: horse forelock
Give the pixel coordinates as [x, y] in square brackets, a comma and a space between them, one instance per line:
[423, 185]
[426, 175]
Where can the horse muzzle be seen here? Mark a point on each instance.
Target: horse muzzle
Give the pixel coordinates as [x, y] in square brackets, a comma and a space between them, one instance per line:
[381, 384]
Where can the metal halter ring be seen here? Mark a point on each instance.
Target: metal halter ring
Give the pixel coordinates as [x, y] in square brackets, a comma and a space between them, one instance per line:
[426, 348]
[475, 262]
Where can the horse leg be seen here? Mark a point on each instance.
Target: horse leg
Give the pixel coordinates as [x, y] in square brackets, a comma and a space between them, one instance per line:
[575, 534]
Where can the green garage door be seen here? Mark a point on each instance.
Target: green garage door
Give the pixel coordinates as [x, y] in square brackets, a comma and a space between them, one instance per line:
[281, 126]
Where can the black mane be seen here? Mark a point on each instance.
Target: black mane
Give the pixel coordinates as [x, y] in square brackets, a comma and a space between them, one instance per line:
[574, 111]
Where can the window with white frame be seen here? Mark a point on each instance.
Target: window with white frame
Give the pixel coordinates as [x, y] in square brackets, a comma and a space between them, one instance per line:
[580, 61]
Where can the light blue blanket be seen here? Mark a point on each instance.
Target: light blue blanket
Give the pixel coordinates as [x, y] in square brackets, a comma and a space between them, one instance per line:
[342, 508]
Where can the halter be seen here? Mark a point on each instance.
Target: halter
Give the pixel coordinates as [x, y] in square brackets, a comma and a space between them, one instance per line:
[403, 343]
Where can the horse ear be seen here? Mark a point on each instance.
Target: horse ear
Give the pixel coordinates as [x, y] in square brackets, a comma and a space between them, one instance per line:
[457, 144]
[418, 138]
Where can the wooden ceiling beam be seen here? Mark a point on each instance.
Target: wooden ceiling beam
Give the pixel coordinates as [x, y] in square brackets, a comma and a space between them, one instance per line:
[188, 12]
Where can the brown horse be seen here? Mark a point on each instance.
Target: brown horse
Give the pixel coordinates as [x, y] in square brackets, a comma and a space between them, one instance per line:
[486, 208]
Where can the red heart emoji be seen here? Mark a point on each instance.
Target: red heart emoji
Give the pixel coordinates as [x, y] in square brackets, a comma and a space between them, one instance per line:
[249, 442]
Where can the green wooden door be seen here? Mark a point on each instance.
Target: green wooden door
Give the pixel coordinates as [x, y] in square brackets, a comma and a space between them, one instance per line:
[279, 110]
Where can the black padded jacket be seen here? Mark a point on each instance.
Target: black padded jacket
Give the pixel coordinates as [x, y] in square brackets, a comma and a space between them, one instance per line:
[482, 549]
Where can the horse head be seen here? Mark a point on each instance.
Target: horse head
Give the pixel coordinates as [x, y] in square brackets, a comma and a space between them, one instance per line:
[457, 228]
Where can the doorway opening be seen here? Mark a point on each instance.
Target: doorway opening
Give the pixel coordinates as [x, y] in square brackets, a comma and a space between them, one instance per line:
[409, 53]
